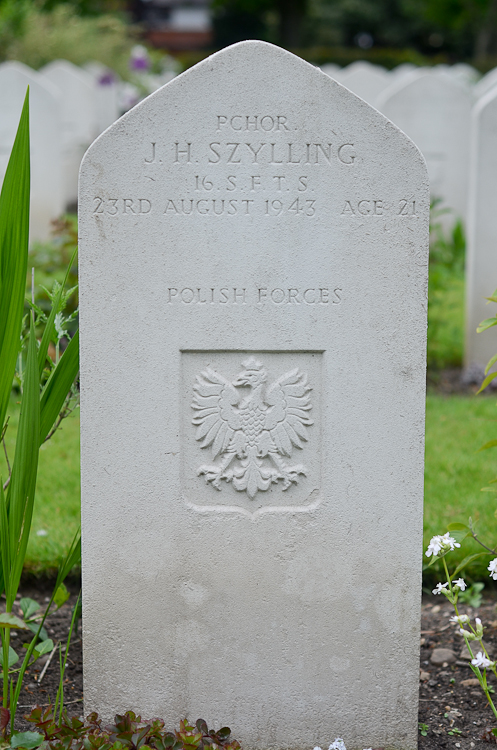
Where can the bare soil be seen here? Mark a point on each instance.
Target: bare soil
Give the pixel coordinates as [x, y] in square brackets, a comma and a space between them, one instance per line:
[453, 713]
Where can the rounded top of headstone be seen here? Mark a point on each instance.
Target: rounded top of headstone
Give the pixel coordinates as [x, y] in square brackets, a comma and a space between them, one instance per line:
[61, 70]
[16, 72]
[255, 75]
[433, 83]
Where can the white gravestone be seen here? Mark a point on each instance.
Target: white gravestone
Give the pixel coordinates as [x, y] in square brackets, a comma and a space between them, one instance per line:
[106, 93]
[481, 260]
[45, 136]
[365, 80]
[486, 83]
[253, 314]
[79, 123]
[434, 110]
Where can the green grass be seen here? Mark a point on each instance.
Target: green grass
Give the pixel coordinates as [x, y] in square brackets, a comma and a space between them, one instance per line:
[57, 503]
[455, 471]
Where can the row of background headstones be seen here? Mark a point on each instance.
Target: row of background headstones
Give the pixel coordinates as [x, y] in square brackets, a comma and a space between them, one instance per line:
[69, 108]
[450, 112]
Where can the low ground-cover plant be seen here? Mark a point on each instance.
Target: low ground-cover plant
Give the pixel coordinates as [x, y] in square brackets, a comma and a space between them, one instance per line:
[128, 732]
[44, 387]
[439, 547]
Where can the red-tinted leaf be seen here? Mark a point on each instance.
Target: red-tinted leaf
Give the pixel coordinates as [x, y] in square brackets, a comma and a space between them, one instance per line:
[4, 718]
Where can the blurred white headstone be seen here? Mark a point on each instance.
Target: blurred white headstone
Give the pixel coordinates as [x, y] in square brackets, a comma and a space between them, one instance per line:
[434, 110]
[330, 69]
[265, 234]
[45, 136]
[486, 82]
[106, 90]
[365, 80]
[481, 263]
[401, 70]
[465, 73]
[79, 125]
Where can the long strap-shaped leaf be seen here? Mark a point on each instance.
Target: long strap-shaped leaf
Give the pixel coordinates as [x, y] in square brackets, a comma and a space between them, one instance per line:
[21, 490]
[14, 235]
[58, 385]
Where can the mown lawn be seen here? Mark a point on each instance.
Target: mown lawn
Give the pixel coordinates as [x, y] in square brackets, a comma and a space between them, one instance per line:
[455, 469]
[57, 506]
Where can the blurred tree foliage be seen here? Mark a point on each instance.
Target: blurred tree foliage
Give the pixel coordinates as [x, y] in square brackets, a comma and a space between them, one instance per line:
[461, 29]
[37, 32]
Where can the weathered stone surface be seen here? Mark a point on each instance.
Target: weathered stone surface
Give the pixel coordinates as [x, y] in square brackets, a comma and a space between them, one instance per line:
[253, 267]
[441, 656]
[45, 136]
[481, 253]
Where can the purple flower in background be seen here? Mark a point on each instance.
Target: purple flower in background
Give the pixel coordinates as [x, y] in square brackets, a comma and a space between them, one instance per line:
[139, 60]
[107, 78]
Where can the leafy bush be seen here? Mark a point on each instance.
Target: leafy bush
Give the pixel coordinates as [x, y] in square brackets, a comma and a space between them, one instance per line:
[37, 37]
[127, 732]
[445, 294]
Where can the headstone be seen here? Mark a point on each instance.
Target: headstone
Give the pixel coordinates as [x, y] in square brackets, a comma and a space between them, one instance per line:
[402, 70]
[434, 110]
[253, 407]
[465, 73]
[486, 83]
[481, 258]
[45, 136]
[79, 126]
[331, 70]
[365, 80]
[106, 93]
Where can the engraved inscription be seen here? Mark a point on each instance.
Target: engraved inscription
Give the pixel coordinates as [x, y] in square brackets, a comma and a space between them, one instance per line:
[278, 296]
[251, 432]
[370, 207]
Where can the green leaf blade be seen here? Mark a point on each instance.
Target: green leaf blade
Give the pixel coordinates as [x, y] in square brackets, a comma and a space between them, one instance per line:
[14, 239]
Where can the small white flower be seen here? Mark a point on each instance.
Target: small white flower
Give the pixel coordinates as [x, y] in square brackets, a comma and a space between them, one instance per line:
[440, 587]
[460, 583]
[469, 636]
[338, 744]
[481, 661]
[449, 542]
[492, 567]
[440, 543]
[434, 546]
[460, 619]
[479, 627]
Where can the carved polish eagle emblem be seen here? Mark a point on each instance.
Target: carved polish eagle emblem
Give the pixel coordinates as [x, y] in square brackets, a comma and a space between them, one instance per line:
[251, 433]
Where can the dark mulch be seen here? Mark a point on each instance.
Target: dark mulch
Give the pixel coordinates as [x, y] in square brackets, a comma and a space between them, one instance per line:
[455, 714]
[39, 689]
[454, 381]
[447, 703]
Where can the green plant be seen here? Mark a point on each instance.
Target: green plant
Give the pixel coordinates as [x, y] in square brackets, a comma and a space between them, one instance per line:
[423, 729]
[127, 732]
[59, 700]
[445, 292]
[44, 388]
[439, 547]
[454, 731]
[36, 37]
[472, 596]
